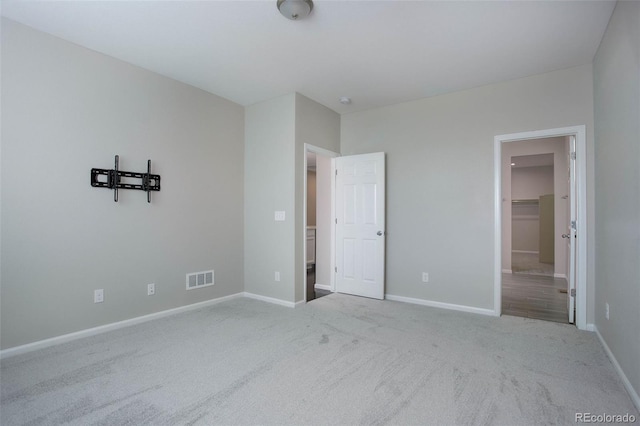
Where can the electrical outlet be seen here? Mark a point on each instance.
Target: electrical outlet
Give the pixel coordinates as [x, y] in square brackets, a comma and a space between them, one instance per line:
[277, 276]
[425, 277]
[606, 314]
[151, 289]
[98, 296]
[279, 216]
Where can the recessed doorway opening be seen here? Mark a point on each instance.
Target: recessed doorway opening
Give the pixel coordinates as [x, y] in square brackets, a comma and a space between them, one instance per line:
[318, 224]
[540, 228]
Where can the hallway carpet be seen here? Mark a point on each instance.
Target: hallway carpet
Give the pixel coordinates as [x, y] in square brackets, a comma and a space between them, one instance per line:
[363, 361]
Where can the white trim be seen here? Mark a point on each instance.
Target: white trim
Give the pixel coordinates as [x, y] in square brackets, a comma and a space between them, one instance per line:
[581, 192]
[507, 271]
[560, 276]
[591, 327]
[525, 251]
[625, 380]
[299, 303]
[41, 344]
[270, 300]
[442, 305]
[322, 287]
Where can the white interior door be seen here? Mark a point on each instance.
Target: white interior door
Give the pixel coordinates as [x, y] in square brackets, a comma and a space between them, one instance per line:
[360, 224]
[571, 232]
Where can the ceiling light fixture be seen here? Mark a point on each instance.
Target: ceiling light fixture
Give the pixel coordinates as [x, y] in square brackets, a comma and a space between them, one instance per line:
[295, 9]
[344, 100]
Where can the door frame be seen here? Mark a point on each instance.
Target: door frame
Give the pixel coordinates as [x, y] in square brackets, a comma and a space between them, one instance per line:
[325, 153]
[581, 194]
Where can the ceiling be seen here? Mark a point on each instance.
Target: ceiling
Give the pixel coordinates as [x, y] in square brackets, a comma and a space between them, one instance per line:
[377, 53]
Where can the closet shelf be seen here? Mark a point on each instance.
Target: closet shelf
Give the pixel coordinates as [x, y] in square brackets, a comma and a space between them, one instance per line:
[525, 202]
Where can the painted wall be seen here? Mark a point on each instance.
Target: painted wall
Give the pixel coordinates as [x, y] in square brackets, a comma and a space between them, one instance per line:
[531, 182]
[269, 152]
[617, 160]
[528, 183]
[440, 176]
[319, 126]
[65, 110]
[275, 133]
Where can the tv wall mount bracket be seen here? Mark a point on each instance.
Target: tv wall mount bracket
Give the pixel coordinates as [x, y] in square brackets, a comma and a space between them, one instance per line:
[112, 179]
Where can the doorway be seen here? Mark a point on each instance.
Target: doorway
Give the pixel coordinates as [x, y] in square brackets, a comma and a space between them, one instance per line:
[533, 213]
[534, 284]
[318, 226]
[350, 208]
[569, 272]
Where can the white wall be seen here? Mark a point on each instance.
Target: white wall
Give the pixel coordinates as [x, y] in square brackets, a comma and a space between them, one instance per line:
[65, 110]
[617, 160]
[440, 176]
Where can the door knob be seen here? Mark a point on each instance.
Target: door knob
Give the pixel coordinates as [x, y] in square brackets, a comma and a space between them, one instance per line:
[380, 233]
[566, 236]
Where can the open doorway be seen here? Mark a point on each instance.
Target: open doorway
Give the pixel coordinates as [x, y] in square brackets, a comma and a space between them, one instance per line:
[319, 227]
[568, 146]
[533, 213]
[535, 283]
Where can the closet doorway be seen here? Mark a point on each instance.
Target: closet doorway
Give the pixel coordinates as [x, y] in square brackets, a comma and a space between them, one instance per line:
[541, 225]
[533, 214]
[531, 287]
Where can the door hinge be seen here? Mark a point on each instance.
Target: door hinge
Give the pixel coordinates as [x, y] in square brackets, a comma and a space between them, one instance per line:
[573, 224]
[573, 292]
[336, 220]
[336, 172]
[573, 155]
[336, 269]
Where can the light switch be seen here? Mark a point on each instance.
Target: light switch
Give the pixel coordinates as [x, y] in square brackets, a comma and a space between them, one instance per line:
[279, 216]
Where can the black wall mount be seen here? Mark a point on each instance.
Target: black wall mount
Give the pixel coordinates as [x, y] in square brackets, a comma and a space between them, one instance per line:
[111, 178]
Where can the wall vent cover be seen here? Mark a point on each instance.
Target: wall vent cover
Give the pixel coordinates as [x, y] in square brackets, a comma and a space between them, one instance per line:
[200, 279]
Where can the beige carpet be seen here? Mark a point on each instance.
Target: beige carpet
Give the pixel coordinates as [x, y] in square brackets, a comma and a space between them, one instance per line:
[337, 360]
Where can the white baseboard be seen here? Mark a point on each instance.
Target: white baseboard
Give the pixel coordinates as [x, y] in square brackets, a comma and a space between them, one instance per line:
[507, 271]
[525, 251]
[270, 300]
[559, 276]
[434, 304]
[41, 344]
[590, 327]
[627, 384]
[322, 287]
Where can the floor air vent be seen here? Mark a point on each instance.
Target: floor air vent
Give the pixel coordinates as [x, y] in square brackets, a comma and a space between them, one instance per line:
[199, 279]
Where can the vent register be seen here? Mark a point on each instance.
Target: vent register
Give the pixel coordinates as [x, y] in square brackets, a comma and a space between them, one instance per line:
[200, 279]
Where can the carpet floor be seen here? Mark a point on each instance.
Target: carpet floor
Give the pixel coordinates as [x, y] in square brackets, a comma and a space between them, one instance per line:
[337, 360]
